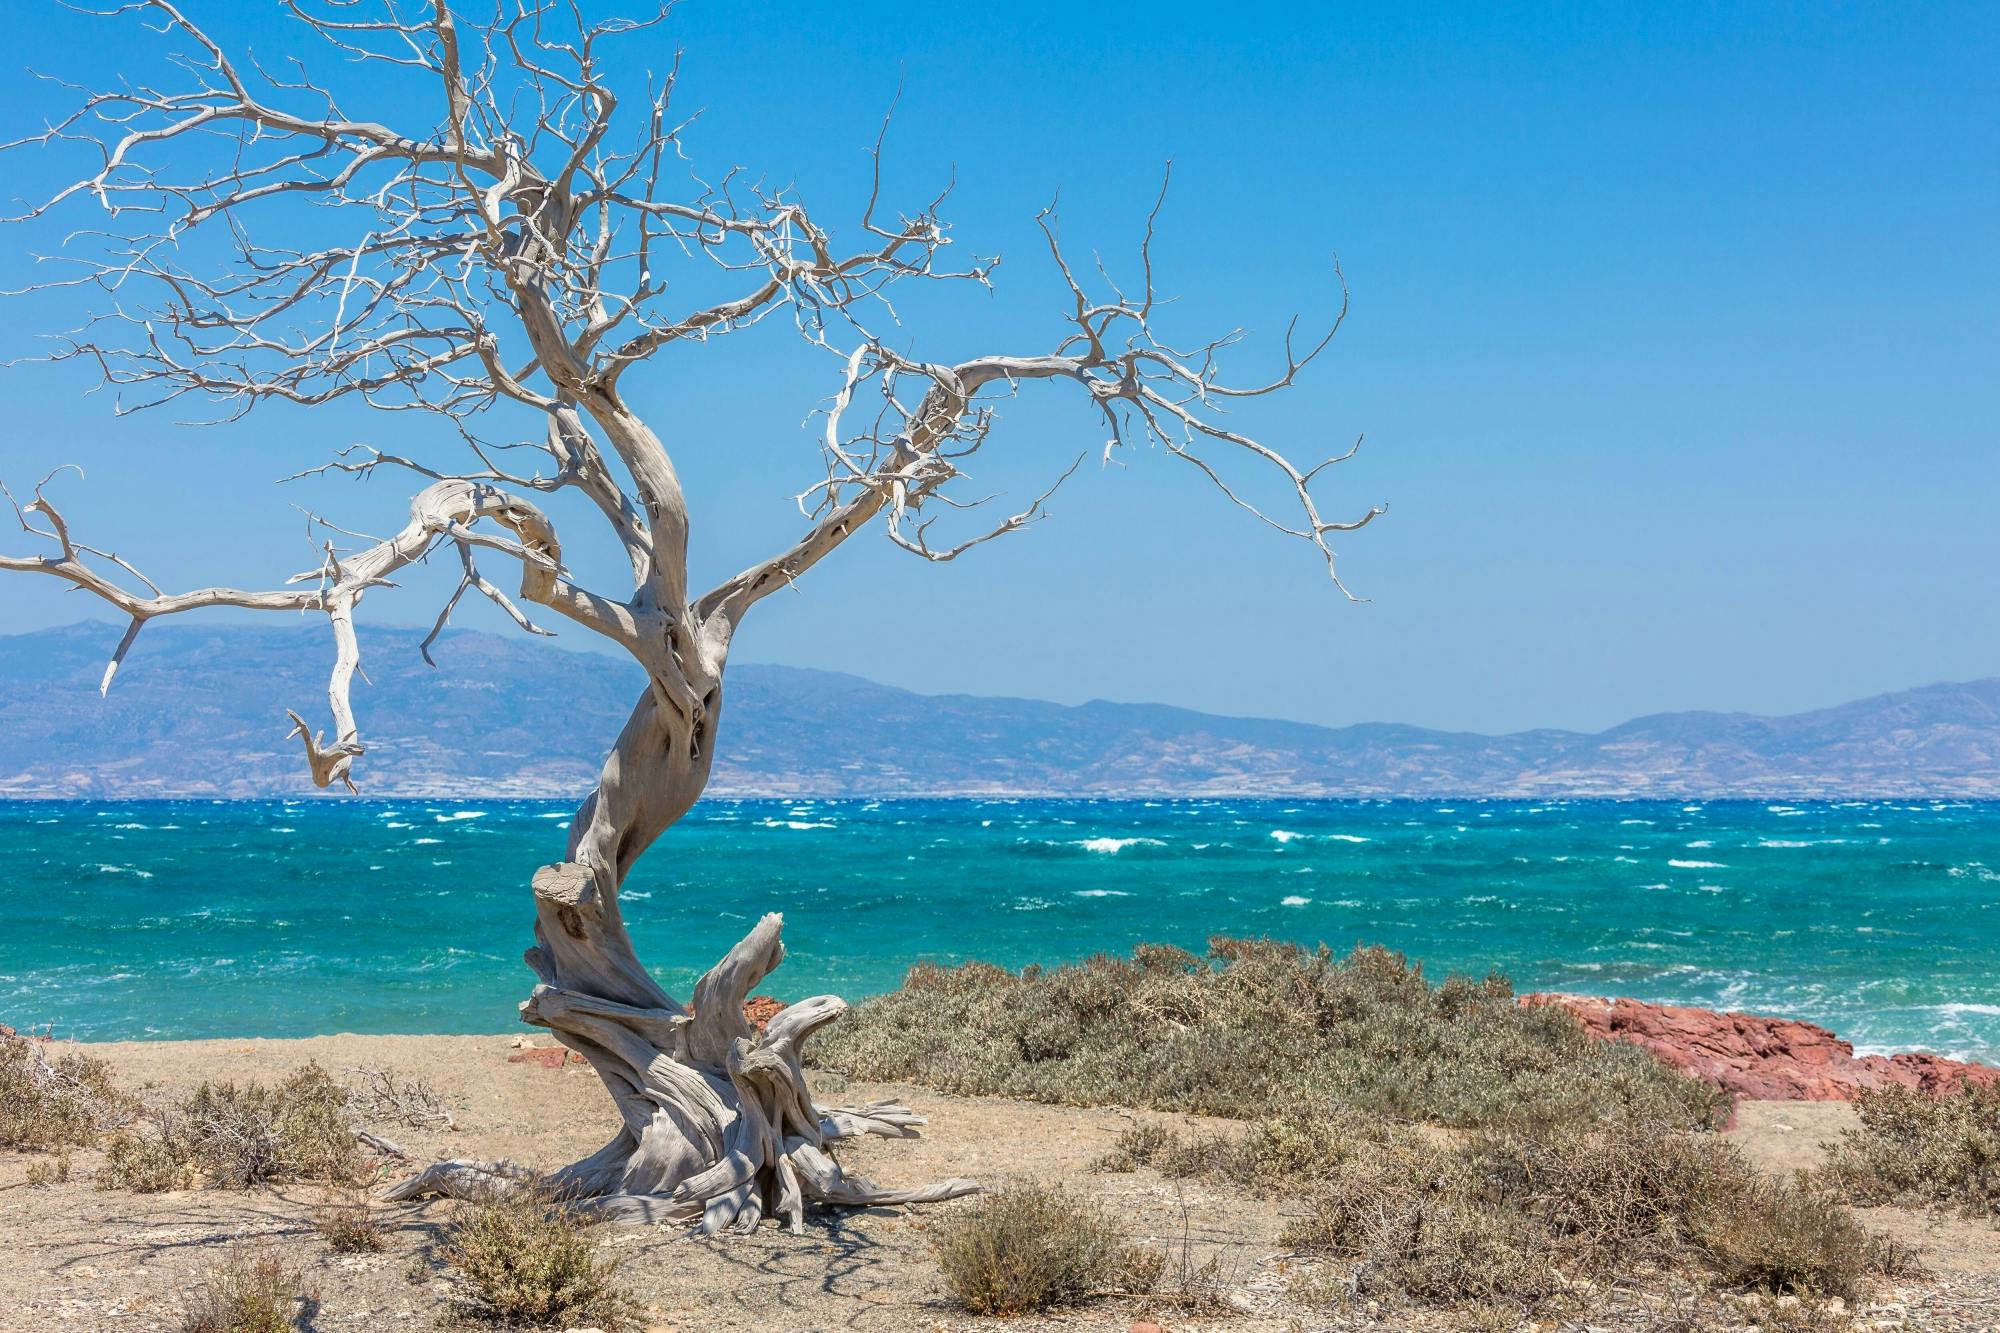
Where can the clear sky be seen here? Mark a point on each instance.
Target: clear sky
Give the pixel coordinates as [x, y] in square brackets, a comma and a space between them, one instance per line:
[1674, 342]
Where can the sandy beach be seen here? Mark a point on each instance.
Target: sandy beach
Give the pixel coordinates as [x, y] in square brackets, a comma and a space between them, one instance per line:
[84, 1258]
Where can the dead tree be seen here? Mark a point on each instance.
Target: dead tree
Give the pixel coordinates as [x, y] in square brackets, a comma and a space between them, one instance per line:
[256, 241]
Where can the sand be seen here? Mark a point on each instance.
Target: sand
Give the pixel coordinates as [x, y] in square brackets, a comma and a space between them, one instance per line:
[81, 1258]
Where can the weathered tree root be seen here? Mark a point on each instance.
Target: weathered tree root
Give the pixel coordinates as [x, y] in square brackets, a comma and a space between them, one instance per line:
[718, 1122]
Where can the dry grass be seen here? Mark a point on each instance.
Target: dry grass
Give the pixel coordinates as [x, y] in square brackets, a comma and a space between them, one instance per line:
[1253, 1029]
[247, 1292]
[527, 1258]
[1913, 1148]
[49, 1105]
[1033, 1246]
[227, 1136]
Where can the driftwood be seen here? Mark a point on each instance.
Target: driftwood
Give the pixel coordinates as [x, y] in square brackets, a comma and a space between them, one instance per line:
[507, 263]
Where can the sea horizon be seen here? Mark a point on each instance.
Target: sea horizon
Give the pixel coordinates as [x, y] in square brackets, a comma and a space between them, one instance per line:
[212, 918]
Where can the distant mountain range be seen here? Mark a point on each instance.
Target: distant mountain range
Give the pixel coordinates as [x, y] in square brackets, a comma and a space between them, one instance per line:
[199, 711]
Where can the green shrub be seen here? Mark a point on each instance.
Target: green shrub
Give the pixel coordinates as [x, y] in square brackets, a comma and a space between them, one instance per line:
[47, 1105]
[228, 1136]
[247, 1292]
[1913, 1148]
[1032, 1246]
[527, 1257]
[1257, 1028]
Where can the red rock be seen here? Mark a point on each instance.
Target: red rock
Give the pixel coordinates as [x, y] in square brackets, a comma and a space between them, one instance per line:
[1767, 1059]
[545, 1057]
[761, 1009]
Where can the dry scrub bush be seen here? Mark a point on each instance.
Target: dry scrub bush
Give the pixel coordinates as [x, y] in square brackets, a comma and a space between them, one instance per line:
[1503, 1218]
[347, 1226]
[527, 1257]
[1913, 1148]
[48, 1105]
[1032, 1246]
[380, 1094]
[232, 1137]
[1253, 1029]
[43, 1175]
[247, 1292]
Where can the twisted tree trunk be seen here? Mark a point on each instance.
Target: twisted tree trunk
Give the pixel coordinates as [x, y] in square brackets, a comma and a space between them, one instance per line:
[517, 216]
[717, 1122]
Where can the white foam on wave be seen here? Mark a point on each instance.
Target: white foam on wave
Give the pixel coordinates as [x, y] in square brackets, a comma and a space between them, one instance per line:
[794, 823]
[125, 870]
[1958, 1008]
[428, 842]
[1284, 835]
[1293, 900]
[1112, 846]
[1102, 893]
[457, 815]
[1348, 837]
[1697, 865]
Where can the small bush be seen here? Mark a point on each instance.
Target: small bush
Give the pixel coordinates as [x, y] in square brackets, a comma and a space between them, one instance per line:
[1278, 1153]
[46, 1106]
[146, 1163]
[43, 1175]
[1784, 1238]
[1032, 1246]
[1913, 1148]
[346, 1225]
[232, 1137]
[1255, 1029]
[528, 1257]
[247, 1292]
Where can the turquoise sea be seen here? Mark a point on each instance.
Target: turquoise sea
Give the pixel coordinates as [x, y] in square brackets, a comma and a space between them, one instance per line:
[198, 919]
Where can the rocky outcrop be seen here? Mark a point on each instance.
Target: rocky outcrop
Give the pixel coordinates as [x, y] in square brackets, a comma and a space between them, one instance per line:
[1768, 1059]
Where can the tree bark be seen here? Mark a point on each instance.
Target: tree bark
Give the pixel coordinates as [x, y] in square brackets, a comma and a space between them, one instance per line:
[717, 1123]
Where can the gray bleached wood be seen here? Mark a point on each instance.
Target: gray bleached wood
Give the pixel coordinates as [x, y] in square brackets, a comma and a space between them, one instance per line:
[508, 261]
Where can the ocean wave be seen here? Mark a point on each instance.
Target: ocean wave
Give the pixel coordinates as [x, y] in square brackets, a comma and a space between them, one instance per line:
[1293, 900]
[457, 815]
[1697, 865]
[1102, 893]
[1284, 835]
[1112, 846]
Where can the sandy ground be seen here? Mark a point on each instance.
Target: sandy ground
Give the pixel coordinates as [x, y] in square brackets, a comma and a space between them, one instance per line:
[81, 1258]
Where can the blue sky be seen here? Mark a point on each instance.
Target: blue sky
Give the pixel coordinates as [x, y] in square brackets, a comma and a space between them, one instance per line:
[1673, 341]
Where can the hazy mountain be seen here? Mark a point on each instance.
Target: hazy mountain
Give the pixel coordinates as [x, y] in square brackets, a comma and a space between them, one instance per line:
[200, 711]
